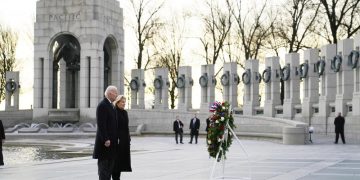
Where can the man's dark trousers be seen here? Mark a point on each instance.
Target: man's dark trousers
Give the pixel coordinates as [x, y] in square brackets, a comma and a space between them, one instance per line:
[105, 167]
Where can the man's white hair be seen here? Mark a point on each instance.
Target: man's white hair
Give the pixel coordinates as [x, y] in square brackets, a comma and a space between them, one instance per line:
[109, 89]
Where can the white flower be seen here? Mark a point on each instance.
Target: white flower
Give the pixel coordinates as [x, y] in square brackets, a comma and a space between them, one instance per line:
[222, 118]
[209, 142]
[216, 121]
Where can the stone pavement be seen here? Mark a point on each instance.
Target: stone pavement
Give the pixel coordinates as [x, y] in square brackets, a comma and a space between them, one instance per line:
[159, 158]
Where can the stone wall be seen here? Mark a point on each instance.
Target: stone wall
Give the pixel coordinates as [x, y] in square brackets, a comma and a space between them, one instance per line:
[11, 118]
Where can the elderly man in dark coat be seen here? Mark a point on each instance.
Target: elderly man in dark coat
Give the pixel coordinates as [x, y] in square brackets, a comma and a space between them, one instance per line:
[104, 149]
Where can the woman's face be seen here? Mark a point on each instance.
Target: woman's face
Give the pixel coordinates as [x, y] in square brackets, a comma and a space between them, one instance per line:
[121, 104]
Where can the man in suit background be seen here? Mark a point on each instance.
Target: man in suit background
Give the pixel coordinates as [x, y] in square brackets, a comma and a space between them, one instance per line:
[178, 129]
[104, 148]
[2, 138]
[339, 128]
[194, 128]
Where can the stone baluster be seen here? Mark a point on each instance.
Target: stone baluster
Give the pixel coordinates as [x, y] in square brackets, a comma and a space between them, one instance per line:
[311, 83]
[230, 81]
[12, 91]
[251, 94]
[327, 85]
[344, 77]
[272, 87]
[161, 84]
[207, 83]
[137, 87]
[292, 86]
[184, 85]
[356, 95]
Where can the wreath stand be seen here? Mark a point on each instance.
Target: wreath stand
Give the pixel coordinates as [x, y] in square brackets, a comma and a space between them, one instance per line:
[226, 132]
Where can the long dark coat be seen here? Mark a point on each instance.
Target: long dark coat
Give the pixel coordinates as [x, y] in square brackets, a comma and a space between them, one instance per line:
[123, 161]
[339, 124]
[106, 130]
[2, 136]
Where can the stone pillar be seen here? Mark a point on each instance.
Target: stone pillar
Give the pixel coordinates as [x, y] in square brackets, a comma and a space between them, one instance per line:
[344, 77]
[184, 85]
[311, 83]
[272, 87]
[207, 83]
[356, 95]
[327, 80]
[292, 86]
[63, 85]
[251, 79]
[137, 87]
[230, 81]
[12, 91]
[161, 84]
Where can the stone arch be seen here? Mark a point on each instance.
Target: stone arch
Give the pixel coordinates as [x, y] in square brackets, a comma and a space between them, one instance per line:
[110, 49]
[64, 52]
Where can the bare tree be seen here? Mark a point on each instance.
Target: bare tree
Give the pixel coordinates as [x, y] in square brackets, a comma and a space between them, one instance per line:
[342, 19]
[8, 42]
[274, 43]
[147, 25]
[169, 53]
[297, 23]
[217, 27]
[253, 30]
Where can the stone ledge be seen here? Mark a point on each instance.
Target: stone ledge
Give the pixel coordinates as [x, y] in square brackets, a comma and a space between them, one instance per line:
[60, 130]
[29, 130]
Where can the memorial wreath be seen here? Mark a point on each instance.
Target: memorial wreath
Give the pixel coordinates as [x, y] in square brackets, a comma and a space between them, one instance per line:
[219, 138]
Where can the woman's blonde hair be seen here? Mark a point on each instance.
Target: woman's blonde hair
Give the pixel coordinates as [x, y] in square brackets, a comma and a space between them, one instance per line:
[119, 98]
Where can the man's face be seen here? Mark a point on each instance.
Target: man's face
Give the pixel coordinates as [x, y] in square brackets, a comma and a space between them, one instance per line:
[339, 114]
[112, 95]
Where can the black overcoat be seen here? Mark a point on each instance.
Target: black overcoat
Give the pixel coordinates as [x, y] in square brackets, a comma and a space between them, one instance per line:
[106, 130]
[339, 124]
[123, 162]
[2, 131]
[177, 128]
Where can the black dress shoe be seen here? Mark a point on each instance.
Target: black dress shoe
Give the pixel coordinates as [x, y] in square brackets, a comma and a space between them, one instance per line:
[181, 143]
[190, 142]
[335, 142]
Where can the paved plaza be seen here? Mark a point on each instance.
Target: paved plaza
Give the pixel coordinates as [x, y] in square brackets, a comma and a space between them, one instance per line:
[159, 158]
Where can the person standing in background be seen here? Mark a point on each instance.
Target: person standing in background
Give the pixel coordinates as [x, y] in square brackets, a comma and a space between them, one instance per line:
[194, 128]
[339, 128]
[207, 123]
[178, 129]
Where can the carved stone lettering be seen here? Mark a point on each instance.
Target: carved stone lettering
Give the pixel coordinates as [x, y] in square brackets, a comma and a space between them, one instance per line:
[65, 17]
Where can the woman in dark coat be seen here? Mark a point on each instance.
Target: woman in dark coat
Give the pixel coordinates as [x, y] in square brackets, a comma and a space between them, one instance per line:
[122, 162]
